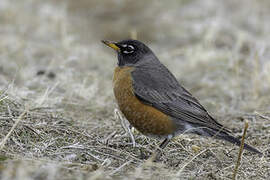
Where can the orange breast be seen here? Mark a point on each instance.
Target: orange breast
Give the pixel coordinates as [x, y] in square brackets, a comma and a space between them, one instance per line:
[148, 120]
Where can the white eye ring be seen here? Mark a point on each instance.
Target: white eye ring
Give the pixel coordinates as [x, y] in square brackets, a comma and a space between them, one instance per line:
[128, 52]
[131, 47]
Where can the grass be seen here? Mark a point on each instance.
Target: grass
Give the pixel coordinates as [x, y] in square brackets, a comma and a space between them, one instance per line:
[58, 116]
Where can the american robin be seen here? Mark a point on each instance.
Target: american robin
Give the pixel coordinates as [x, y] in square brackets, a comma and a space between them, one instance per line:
[154, 102]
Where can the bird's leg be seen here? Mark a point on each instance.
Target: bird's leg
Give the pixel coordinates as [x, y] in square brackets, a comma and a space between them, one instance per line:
[127, 128]
[164, 143]
[158, 151]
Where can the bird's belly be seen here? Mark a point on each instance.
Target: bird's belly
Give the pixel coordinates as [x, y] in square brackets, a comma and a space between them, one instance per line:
[147, 119]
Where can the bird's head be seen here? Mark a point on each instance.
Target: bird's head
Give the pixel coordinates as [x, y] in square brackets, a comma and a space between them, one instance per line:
[130, 52]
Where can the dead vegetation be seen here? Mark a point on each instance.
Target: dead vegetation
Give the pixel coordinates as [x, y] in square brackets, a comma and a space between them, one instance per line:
[57, 110]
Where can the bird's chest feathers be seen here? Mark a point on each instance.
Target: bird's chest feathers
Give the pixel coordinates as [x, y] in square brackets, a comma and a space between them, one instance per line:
[123, 90]
[145, 118]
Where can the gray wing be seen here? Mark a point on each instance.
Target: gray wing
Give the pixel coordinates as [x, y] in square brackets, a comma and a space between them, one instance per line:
[157, 87]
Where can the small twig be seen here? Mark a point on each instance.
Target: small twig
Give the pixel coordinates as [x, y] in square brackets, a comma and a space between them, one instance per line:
[95, 157]
[11, 130]
[120, 167]
[194, 157]
[9, 111]
[106, 140]
[240, 151]
[3, 98]
[34, 131]
[262, 116]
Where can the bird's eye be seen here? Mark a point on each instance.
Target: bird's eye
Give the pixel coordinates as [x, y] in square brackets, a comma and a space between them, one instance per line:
[128, 49]
[131, 47]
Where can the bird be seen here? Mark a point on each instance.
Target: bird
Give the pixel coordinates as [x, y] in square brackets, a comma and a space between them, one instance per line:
[155, 103]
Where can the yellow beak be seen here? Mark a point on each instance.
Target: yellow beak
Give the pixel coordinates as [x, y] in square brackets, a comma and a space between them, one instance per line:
[111, 44]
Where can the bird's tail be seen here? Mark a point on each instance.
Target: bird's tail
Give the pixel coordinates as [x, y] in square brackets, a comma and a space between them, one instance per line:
[226, 136]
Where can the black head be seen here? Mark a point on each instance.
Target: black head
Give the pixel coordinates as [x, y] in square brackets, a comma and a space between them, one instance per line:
[129, 52]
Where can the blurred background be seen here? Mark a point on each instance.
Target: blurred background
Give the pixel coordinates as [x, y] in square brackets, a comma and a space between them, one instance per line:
[51, 57]
[222, 46]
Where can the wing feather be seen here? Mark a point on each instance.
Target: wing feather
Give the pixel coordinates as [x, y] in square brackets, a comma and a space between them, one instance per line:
[157, 87]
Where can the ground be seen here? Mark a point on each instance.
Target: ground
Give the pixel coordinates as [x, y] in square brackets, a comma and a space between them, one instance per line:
[58, 115]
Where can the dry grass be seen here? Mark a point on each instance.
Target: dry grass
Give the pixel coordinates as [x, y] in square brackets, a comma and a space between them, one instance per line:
[55, 82]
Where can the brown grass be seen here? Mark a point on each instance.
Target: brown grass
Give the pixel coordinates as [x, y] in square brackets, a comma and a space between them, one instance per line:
[55, 71]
